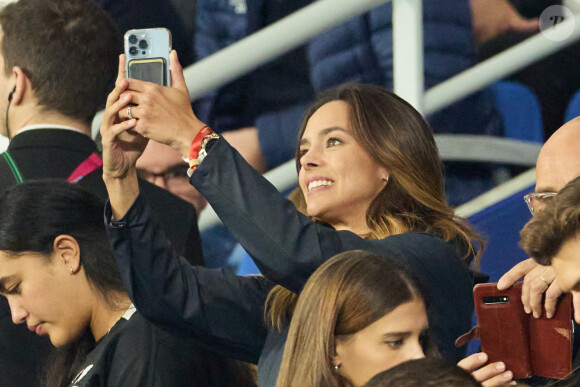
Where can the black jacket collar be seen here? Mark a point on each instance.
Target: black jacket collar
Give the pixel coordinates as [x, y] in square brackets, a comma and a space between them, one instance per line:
[53, 138]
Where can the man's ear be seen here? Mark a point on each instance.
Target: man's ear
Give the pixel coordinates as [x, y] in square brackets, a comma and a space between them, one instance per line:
[22, 85]
[67, 253]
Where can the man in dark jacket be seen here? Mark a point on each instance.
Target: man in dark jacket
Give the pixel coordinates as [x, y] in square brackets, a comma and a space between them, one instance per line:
[58, 62]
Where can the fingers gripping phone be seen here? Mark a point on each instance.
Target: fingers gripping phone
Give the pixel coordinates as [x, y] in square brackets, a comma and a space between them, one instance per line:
[147, 55]
[527, 345]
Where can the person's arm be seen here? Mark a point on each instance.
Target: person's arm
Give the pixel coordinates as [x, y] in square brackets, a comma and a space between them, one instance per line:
[286, 245]
[217, 307]
[121, 148]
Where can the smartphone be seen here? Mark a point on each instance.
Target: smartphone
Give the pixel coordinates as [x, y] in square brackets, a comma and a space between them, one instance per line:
[147, 55]
[528, 346]
[502, 327]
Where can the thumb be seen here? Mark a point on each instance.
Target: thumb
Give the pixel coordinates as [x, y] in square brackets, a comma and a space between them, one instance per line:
[576, 303]
[177, 79]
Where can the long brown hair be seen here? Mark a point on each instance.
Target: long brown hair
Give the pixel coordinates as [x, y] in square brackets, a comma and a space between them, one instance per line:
[397, 137]
[343, 296]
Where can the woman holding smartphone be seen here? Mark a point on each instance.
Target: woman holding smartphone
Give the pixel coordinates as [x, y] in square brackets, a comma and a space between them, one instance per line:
[59, 275]
[372, 180]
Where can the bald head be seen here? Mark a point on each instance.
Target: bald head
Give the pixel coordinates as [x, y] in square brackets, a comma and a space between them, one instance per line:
[559, 159]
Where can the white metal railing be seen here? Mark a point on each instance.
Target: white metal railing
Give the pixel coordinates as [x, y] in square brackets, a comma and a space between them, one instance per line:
[267, 44]
[508, 62]
[294, 30]
[497, 194]
[408, 73]
[458, 147]
[271, 42]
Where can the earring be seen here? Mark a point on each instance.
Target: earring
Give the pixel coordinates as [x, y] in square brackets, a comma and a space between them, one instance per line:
[336, 367]
[71, 271]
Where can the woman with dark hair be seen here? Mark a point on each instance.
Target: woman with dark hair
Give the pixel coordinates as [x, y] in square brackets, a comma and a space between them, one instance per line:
[386, 199]
[58, 272]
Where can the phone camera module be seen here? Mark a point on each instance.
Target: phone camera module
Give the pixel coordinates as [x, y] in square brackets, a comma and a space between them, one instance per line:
[133, 50]
[133, 39]
[143, 44]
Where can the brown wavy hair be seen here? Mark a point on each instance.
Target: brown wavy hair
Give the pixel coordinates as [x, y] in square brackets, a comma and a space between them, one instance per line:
[543, 236]
[397, 137]
[347, 293]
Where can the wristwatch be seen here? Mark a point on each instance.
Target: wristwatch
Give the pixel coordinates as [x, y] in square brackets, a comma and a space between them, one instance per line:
[206, 144]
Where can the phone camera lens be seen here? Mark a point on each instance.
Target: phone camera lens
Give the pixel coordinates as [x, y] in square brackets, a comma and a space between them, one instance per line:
[143, 44]
[133, 50]
[132, 39]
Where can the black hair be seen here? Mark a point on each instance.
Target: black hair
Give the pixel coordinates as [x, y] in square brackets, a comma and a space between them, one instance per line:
[428, 371]
[32, 215]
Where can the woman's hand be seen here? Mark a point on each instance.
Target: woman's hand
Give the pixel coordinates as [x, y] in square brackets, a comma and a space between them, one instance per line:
[493, 374]
[121, 146]
[164, 114]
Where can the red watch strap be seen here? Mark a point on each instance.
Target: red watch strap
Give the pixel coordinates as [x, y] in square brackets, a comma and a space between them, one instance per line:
[196, 144]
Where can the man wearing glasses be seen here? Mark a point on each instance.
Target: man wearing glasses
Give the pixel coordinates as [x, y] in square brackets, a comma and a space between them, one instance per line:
[558, 163]
[553, 238]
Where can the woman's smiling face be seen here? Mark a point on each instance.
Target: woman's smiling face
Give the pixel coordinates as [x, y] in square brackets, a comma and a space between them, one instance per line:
[338, 177]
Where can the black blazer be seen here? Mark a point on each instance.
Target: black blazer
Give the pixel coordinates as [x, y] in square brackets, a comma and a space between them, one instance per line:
[55, 153]
[227, 311]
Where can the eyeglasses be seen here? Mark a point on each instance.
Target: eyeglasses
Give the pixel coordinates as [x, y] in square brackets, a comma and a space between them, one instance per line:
[172, 175]
[538, 200]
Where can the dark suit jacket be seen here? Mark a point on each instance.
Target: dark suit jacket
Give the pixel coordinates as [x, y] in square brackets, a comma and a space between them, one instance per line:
[55, 153]
[227, 311]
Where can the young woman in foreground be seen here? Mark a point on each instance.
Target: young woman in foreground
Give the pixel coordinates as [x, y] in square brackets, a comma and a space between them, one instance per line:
[358, 315]
[59, 275]
[371, 175]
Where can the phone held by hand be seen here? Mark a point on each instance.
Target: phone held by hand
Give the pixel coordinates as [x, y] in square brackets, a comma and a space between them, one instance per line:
[147, 55]
[527, 345]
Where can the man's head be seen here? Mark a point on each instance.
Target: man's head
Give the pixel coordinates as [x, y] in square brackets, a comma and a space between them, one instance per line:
[552, 236]
[164, 167]
[558, 163]
[59, 56]
[559, 159]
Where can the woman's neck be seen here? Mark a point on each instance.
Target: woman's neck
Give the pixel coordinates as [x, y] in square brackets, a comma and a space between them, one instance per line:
[358, 226]
[105, 315]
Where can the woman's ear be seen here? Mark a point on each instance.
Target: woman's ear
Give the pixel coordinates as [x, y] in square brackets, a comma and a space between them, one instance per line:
[67, 253]
[337, 358]
[383, 174]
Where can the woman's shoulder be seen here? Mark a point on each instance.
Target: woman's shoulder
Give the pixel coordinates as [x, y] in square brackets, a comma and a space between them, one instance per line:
[420, 240]
[425, 250]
